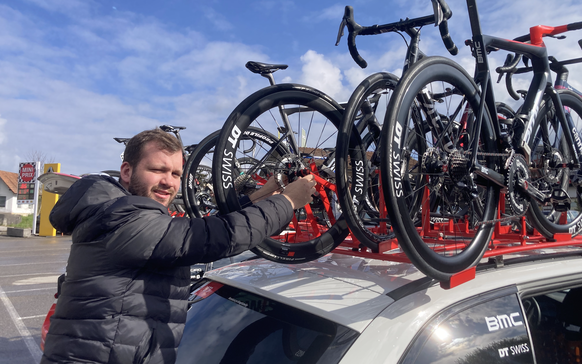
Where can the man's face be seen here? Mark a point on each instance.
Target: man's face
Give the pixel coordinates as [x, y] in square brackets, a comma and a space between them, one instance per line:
[156, 176]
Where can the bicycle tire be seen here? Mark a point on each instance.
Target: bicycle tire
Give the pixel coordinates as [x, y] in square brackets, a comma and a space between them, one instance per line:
[193, 180]
[439, 255]
[198, 197]
[299, 242]
[358, 137]
[544, 217]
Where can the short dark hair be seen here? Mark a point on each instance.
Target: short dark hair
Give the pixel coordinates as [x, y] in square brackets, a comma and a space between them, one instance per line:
[134, 149]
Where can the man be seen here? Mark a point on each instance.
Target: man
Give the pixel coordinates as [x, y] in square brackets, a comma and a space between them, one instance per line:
[124, 298]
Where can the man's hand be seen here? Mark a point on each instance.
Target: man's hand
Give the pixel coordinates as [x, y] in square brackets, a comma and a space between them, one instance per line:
[299, 192]
[269, 189]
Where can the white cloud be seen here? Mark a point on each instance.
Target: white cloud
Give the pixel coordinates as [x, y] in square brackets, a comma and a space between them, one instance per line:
[320, 73]
[2, 133]
[354, 76]
[69, 87]
[68, 7]
[334, 13]
[219, 21]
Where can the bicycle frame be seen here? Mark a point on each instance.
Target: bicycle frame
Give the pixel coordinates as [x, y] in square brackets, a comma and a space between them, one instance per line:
[540, 84]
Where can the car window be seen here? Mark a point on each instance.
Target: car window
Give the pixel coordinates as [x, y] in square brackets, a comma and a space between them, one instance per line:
[492, 331]
[555, 321]
[228, 325]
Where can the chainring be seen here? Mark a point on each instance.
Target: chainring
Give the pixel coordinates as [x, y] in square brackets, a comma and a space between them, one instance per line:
[516, 199]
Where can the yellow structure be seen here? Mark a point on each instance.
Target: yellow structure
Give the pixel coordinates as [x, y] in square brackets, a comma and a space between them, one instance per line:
[48, 202]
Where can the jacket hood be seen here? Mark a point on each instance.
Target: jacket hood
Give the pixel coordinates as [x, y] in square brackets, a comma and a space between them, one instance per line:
[83, 199]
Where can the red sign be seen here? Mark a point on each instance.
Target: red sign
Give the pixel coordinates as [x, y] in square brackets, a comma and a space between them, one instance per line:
[27, 172]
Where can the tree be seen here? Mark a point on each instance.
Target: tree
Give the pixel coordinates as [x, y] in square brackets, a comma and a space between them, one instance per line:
[38, 156]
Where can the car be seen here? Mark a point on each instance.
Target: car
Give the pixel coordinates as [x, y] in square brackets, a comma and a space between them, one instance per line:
[519, 308]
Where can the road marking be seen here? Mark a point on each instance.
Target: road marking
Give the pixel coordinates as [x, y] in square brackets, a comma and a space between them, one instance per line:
[31, 317]
[34, 250]
[28, 339]
[31, 274]
[30, 290]
[37, 280]
[16, 265]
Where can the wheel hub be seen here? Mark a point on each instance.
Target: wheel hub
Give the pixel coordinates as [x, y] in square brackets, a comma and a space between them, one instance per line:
[434, 164]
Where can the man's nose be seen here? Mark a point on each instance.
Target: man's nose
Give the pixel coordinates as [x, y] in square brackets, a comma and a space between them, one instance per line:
[170, 180]
[166, 180]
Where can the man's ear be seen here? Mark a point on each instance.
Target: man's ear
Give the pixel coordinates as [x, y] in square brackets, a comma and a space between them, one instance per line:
[125, 172]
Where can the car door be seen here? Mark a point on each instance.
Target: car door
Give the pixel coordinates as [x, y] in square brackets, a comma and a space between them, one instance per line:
[488, 328]
[554, 316]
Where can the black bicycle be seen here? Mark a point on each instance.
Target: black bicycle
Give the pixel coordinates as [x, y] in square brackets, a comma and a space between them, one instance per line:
[197, 185]
[359, 188]
[470, 159]
[302, 123]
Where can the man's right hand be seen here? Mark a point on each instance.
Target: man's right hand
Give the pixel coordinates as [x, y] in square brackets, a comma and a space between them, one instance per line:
[299, 192]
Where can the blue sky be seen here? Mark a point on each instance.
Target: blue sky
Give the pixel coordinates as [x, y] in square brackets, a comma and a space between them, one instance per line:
[74, 74]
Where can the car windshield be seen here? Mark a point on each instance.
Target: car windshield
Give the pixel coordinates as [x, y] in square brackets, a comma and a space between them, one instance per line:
[229, 325]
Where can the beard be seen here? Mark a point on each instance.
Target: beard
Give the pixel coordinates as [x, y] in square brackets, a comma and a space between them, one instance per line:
[138, 188]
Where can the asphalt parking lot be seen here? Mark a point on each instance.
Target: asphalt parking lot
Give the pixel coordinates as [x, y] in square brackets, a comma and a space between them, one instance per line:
[29, 268]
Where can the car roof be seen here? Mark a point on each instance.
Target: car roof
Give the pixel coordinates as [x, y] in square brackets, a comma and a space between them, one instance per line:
[346, 289]
[353, 290]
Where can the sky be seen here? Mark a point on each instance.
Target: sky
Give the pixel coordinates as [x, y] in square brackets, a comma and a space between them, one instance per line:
[74, 74]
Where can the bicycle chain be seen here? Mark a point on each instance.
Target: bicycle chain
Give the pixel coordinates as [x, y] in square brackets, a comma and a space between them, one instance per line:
[491, 154]
[503, 219]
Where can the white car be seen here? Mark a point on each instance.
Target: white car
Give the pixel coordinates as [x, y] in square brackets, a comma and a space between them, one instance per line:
[346, 309]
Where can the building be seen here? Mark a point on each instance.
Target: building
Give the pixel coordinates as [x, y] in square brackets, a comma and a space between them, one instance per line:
[8, 194]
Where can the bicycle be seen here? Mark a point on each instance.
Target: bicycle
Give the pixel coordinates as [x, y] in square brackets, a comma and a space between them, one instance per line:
[560, 83]
[304, 124]
[469, 160]
[359, 189]
[197, 179]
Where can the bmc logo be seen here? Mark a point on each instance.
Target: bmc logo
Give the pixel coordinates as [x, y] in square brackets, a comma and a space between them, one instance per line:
[495, 323]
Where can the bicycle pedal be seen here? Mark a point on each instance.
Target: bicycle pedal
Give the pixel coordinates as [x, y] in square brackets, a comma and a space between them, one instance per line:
[576, 179]
[560, 200]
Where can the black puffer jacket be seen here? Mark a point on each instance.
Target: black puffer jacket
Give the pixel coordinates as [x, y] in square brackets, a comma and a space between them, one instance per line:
[124, 298]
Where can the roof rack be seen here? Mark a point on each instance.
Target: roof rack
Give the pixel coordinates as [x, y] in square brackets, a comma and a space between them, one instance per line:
[505, 240]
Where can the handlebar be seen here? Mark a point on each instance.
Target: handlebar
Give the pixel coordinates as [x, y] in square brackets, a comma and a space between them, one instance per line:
[442, 13]
[539, 31]
[535, 38]
[443, 25]
[509, 67]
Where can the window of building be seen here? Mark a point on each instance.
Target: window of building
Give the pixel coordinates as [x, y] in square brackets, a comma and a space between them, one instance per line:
[2, 201]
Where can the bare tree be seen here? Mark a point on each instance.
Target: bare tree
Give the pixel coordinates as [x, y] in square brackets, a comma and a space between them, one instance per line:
[38, 156]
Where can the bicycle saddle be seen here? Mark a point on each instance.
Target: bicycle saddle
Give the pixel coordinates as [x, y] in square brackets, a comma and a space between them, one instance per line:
[264, 68]
[171, 128]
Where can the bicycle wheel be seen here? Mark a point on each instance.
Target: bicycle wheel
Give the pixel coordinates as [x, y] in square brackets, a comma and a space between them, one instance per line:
[307, 138]
[197, 190]
[549, 154]
[359, 188]
[199, 197]
[457, 207]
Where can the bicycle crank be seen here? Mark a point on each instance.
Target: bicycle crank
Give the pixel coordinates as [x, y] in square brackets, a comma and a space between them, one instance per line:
[520, 189]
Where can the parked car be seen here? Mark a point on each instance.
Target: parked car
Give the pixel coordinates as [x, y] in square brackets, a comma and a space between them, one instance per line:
[345, 309]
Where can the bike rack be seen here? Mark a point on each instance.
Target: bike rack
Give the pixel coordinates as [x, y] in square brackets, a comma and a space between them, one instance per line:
[504, 240]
